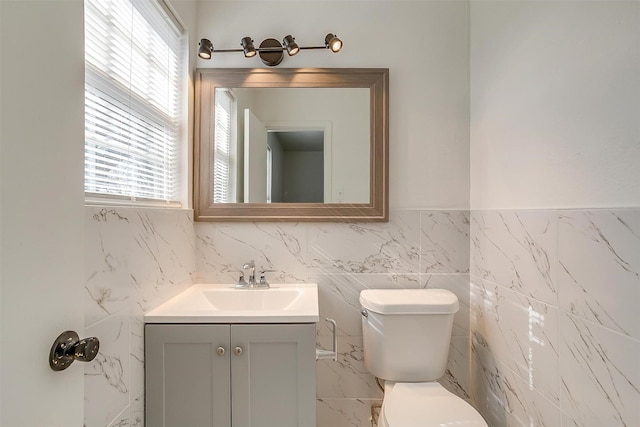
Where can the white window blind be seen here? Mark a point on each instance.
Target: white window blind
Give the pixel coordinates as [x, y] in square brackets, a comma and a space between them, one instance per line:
[223, 158]
[133, 100]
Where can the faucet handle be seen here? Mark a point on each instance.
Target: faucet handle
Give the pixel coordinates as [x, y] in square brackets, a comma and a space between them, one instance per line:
[263, 280]
[242, 283]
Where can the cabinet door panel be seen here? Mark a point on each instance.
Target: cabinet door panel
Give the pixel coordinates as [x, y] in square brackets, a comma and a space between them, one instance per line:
[187, 381]
[274, 376]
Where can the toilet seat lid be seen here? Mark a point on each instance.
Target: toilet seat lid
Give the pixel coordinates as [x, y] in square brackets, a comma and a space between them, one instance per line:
[428, 405]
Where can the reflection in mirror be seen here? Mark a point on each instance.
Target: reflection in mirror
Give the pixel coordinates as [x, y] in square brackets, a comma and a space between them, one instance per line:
[296, 167]
[308, 144]
[252, 122]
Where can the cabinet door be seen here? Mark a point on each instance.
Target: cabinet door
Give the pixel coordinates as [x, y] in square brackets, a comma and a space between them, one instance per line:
[274, 383]
[187, 381]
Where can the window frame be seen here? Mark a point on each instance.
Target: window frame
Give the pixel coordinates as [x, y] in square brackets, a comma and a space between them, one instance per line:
[174, 124]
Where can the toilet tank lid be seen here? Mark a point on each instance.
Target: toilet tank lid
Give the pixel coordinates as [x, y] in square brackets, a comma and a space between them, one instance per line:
[409, 301]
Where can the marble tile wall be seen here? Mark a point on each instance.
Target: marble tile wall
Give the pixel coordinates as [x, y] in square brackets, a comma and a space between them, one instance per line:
[554, 317]
[552, 309]
[414, 249]
[137, 259]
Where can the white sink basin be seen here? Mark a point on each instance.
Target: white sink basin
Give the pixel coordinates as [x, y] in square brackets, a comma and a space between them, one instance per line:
[204, 303]
[253, 299]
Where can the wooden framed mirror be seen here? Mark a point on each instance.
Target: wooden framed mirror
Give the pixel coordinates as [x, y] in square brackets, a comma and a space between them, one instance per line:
[307, 144]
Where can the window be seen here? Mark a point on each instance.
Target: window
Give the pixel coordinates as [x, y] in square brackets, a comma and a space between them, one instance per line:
[133, 101]
[224, 169]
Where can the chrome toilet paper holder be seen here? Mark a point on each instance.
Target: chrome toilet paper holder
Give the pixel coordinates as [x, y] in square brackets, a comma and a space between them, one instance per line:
[329, 354]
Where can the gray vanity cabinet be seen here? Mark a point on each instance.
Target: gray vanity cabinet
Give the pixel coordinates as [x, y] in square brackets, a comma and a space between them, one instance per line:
[240, 375]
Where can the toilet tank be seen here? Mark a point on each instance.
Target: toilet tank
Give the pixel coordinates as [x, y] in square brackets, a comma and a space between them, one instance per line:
[406, 332]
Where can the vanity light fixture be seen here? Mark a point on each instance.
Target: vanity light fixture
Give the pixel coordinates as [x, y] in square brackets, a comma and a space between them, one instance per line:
[290, 44]
[271, 51]
[331, 41]
[205, 49]
[247, 47]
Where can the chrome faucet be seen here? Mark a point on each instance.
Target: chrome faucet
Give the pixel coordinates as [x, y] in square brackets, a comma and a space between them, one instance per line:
[251, 266]
[243, 283]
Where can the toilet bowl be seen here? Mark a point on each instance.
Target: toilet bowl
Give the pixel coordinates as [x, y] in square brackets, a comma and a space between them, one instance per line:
[406, 335]
[425, 405]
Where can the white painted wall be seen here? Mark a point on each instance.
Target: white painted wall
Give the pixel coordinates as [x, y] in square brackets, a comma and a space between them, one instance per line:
[41, 132]
[555, 124]
[555, 104]
[425, 46]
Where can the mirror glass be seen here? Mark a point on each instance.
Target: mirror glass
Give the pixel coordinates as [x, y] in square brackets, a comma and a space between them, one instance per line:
[292, 145]
[307, 144]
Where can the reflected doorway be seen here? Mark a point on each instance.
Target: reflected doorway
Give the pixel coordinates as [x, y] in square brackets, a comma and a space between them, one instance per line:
[295, 166]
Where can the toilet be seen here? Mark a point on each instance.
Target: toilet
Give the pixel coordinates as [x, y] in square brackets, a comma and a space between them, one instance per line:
[406, 335]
